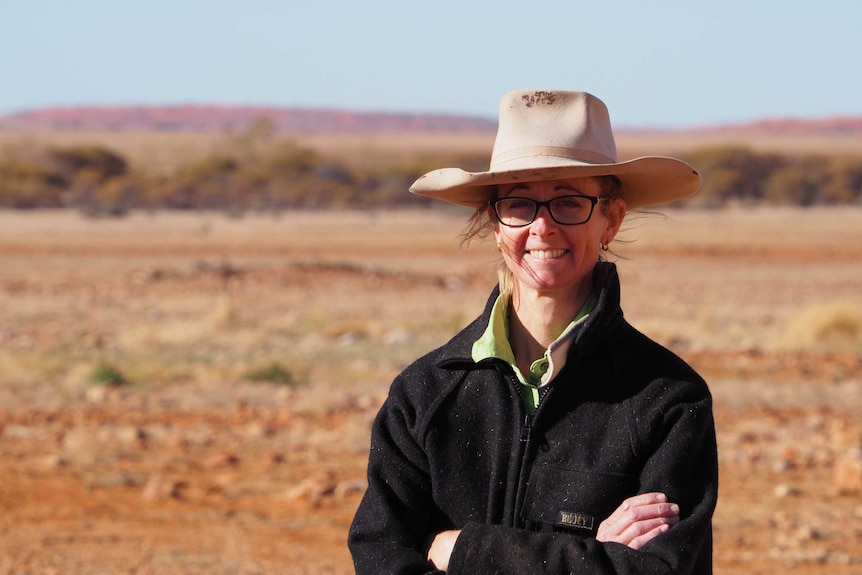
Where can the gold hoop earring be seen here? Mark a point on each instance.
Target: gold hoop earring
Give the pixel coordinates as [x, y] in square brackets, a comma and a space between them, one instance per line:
[604, 247]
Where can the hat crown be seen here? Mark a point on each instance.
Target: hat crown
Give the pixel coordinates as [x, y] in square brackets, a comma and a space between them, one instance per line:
[537, 126]
[546, 135]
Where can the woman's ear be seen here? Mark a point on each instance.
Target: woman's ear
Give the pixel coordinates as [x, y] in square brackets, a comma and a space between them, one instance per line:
[616, 214]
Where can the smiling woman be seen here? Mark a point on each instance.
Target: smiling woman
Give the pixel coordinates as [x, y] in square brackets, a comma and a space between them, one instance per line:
[550, 253]
[548, 435]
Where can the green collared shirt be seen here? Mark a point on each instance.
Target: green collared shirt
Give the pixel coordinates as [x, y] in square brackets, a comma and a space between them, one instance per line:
[495, 343]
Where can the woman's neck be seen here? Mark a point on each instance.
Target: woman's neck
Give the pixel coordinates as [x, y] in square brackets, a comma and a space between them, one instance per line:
[537, 318]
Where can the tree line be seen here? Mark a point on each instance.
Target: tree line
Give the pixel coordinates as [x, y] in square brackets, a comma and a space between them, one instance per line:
[284, 176]
[739, 175]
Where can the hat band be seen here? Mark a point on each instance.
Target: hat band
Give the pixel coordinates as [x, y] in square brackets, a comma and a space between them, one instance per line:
[533, 151]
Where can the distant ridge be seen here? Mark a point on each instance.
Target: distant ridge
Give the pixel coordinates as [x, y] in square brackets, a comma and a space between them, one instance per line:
[221, 118]
[202, 118]
[837, 125]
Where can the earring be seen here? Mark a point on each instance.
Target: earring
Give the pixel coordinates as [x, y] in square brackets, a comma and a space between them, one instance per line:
[604, 246]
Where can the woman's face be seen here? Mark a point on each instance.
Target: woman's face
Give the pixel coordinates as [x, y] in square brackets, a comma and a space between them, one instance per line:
[545, 256]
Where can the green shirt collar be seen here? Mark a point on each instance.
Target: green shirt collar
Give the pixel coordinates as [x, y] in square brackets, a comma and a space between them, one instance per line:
[494, 343]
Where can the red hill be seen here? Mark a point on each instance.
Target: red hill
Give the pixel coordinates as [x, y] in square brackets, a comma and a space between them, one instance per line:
[216, 118]
[224, 118]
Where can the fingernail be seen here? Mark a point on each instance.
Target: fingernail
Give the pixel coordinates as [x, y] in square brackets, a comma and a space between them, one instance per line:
[661, 497]
[674, 508]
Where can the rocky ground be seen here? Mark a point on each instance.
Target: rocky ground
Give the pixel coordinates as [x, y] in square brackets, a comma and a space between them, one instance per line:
[187, 466]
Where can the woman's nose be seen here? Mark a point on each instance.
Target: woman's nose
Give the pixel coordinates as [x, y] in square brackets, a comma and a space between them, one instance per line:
[543, 222]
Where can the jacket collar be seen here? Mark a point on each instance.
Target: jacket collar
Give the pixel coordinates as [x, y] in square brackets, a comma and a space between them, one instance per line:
[603, 317]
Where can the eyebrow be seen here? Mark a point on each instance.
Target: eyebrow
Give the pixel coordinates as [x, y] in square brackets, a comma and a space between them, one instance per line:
[558, 188]
[567, 188]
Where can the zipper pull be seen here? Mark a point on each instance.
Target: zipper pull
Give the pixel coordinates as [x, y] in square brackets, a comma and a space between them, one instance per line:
[527, 428]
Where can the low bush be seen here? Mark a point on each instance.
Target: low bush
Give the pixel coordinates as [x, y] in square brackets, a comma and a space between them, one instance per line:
[107, 374]
[255, 172]
[273, 373]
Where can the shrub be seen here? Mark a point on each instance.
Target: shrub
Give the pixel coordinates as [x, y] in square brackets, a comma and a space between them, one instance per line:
[289, 161]
[794, 185]
[24, 184]
[843, 183]
[271, 373]
[107, 374]
[98, 160]
[732, 173]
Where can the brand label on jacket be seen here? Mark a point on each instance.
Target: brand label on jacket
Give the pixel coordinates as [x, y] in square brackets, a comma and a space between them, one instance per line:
[575, 519]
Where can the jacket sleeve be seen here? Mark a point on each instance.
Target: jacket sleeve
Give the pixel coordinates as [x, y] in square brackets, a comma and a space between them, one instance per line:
[677, 436]
[396, 515]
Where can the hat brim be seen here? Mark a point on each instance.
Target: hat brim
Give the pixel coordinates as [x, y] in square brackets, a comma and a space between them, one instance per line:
[646, 181]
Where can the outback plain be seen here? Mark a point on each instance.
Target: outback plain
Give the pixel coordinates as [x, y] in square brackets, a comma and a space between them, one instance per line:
[187, 392]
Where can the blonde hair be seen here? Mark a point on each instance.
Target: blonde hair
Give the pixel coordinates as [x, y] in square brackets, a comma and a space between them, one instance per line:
[482, 224]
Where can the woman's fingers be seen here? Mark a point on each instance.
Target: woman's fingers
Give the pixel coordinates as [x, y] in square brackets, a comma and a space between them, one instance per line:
[642, 528]
[627, 529]
[441, 549]
[641, 540]
[639, 519]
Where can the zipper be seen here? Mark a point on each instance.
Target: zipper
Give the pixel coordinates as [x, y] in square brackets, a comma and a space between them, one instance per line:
[524, 446]
[526, 455]
[527, 428]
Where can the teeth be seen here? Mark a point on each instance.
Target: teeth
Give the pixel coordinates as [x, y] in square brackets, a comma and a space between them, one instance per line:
[546, 254]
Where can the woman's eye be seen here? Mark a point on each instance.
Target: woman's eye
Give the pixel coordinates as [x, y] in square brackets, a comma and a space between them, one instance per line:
[569, 203]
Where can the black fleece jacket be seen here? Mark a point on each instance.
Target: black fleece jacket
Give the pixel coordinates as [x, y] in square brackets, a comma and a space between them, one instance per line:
[453, 447]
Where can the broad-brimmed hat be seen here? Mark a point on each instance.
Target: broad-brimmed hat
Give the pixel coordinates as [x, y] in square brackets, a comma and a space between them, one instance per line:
[552, 134]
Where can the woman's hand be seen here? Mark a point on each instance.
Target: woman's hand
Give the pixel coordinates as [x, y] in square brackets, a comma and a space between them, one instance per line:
[639, 519]
[441, 549]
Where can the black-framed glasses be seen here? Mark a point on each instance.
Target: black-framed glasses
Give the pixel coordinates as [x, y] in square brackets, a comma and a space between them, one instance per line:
[516, 212]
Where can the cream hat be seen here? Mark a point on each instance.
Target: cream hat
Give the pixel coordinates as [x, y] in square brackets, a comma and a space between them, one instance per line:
[551, 134]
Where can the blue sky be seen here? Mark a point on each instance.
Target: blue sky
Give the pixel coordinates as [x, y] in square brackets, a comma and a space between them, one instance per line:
[668, 64]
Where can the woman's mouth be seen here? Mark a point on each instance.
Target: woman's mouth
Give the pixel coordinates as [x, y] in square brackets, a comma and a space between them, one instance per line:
[546, 254]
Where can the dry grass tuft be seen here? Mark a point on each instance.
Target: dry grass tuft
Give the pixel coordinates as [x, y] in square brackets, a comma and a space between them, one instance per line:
[834, 325]
[225, 315]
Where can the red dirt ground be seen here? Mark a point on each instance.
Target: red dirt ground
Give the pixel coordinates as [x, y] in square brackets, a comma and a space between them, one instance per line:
[132, 481]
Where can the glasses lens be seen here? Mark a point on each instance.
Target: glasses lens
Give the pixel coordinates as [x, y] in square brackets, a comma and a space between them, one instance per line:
[515, 211]
[568, 210]
[571, 209]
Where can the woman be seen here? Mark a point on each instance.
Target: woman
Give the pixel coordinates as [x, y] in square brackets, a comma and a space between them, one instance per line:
[549, 436]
